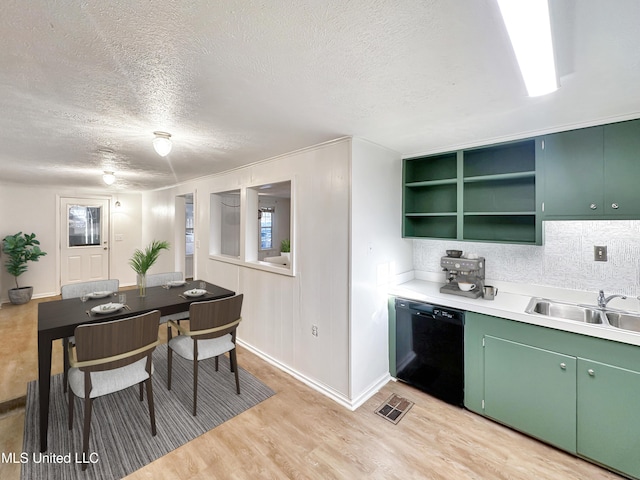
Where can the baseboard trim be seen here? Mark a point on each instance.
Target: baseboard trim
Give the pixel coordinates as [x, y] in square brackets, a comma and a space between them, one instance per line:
[371, 391]
[318, 386]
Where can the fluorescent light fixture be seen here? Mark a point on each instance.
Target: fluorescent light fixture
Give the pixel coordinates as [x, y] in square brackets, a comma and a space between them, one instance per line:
[109, 178]
[162, 143]
[529, 29]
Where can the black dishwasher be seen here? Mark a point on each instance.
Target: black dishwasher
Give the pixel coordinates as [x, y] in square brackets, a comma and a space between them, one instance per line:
[430, 349]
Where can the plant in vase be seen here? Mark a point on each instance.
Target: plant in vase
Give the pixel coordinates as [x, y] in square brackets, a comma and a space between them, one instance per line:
[285, 248]
[20, 249]
[142, 260]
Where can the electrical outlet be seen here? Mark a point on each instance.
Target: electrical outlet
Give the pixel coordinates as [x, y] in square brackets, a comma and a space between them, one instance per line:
[600, 253]
[314, 330]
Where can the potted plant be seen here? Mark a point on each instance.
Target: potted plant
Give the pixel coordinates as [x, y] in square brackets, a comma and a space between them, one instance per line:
[142, 260]
[285, 248]
[20, 249]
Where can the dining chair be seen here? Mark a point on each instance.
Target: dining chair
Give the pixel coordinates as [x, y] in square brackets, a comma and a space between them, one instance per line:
[109, 357]
[211, 332]
[77, 290]
[157, 279]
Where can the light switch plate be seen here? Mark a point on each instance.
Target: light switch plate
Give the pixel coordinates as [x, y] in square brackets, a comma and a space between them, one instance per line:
[600, 253]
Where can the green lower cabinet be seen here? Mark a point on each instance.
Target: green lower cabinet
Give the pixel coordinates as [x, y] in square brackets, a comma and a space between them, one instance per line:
[579, 393]
[532, 390]
[609, 415]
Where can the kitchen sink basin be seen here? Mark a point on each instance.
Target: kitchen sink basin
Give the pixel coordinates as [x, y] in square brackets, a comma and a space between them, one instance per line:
[626, 321]
[566, 311]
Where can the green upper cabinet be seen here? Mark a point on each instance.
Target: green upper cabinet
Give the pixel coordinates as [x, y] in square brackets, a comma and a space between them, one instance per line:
[430, 196]
[573, 173]
[592, 172]
[622, 162]
[483, 194]
[499, 194]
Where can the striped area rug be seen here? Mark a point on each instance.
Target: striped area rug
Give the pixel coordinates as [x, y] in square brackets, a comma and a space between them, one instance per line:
[121, 441]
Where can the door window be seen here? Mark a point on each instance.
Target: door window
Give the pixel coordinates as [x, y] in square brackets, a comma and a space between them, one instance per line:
[84, 228]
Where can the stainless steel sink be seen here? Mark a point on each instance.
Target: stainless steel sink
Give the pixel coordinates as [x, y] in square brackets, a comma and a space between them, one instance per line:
[624, 320]
[566, 311]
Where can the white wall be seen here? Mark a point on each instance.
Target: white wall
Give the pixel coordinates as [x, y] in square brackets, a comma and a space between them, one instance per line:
[35, 209]
[159, 223]
[378, 253]
[31, 210]
[125, 222]
[280, 309]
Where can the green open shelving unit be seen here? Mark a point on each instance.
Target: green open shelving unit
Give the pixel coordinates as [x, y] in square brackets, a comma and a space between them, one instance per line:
[486, 194]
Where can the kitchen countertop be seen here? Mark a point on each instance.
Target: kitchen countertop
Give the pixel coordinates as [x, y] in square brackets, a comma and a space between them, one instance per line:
[511, 306]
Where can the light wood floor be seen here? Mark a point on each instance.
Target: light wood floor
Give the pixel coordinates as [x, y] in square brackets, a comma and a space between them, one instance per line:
[299, 433]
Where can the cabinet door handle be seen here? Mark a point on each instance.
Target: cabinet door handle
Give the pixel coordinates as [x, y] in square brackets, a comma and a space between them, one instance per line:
[563, 366]
[615, 206]
[593, 206]
[591, 372]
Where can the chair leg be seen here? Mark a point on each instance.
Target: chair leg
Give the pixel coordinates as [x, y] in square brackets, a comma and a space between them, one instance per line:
[88, 403]
[233, 360]
[71, 402]
[195, 385]
[152, 412]
[65, 356]
[217, 362]
[169, 364]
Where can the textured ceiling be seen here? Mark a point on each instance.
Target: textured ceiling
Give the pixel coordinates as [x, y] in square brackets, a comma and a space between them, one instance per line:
[235, 82]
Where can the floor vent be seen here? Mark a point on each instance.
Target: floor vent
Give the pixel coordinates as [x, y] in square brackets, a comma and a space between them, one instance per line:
[394, 408]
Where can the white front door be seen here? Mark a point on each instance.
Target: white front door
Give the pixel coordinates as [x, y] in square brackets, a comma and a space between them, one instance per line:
[84, 247]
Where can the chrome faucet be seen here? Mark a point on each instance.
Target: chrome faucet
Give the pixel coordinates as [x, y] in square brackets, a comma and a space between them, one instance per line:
[602, 300]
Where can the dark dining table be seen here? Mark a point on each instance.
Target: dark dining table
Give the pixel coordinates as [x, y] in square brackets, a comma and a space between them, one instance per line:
[58, 319]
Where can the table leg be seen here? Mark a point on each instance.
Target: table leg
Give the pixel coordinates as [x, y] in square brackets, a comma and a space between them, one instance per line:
[44, 385]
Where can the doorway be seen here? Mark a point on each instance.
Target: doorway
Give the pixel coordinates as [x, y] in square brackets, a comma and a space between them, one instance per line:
[84, 242]
[184, 234]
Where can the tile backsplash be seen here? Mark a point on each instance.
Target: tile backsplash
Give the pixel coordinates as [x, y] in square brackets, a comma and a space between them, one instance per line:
[564, 261]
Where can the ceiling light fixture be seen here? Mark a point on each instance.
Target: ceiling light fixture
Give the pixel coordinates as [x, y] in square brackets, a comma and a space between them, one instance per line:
[529, 29]
[109, 178]
[162, 143]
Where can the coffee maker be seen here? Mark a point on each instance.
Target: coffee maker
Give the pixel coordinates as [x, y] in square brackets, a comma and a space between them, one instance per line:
[463, 270]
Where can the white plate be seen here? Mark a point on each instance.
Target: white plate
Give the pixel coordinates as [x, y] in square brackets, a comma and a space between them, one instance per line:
[196, 292]
[107, 308]
[101, 294]
[176, 283]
